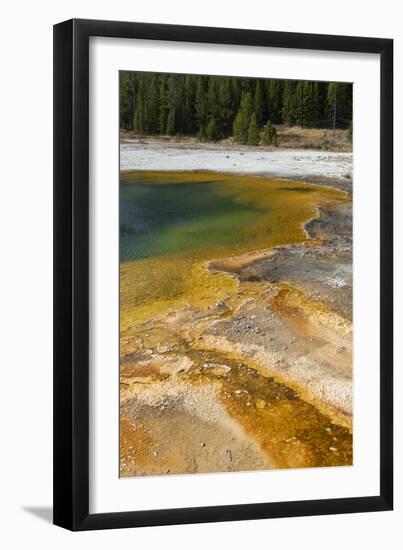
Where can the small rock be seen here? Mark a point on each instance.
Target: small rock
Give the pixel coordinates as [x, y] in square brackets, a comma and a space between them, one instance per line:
[260, 403]
[340, 349]
[202, 444]
[333, 449]
[217, 368]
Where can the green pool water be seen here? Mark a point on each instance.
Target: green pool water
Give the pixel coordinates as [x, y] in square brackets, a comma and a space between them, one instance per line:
[168, 218]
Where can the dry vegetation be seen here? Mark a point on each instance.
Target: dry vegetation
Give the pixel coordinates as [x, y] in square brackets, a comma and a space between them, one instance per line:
[289, 137]
[294, 137]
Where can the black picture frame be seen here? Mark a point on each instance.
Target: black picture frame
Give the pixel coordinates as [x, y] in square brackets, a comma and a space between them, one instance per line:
[71, 274]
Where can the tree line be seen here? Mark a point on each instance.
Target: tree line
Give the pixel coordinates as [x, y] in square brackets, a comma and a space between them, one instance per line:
[217, 107]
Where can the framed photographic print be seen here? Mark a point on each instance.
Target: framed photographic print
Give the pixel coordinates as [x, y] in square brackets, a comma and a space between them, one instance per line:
[223, 274]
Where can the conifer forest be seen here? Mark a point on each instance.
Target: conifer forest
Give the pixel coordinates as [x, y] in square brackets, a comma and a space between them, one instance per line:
[219, 107]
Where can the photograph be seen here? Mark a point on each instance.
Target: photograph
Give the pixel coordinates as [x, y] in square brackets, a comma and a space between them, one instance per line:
[202, 267]
[235, 272]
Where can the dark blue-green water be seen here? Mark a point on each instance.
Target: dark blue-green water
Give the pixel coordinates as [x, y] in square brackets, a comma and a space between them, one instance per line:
[167, 218]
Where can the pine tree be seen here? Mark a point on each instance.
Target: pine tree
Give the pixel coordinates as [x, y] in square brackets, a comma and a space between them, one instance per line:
[300, 104]
[202, 135]
[288, 108]
[133, 88]
[339, 103]
[304, 104]
[215, 117]
[152, 106]
[212, 130]
[309, 104]
[174, 105]
[171, 122]
[258, 103]
[274, 95]
[164, 109]
[138, 123]
[253, 131]
[180, 105]
[201, 107]
[238, 126]
[213, 104]
[269, 135]
[346, 107]
[125, 101]
[189, 122]
[236, 93]
[332, 105]
[247, 105]
[316, 104]
[242, 120]
[226, 106]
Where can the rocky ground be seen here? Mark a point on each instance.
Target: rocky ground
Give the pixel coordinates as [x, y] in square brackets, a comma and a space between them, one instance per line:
[300, 328]
[260, 380]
